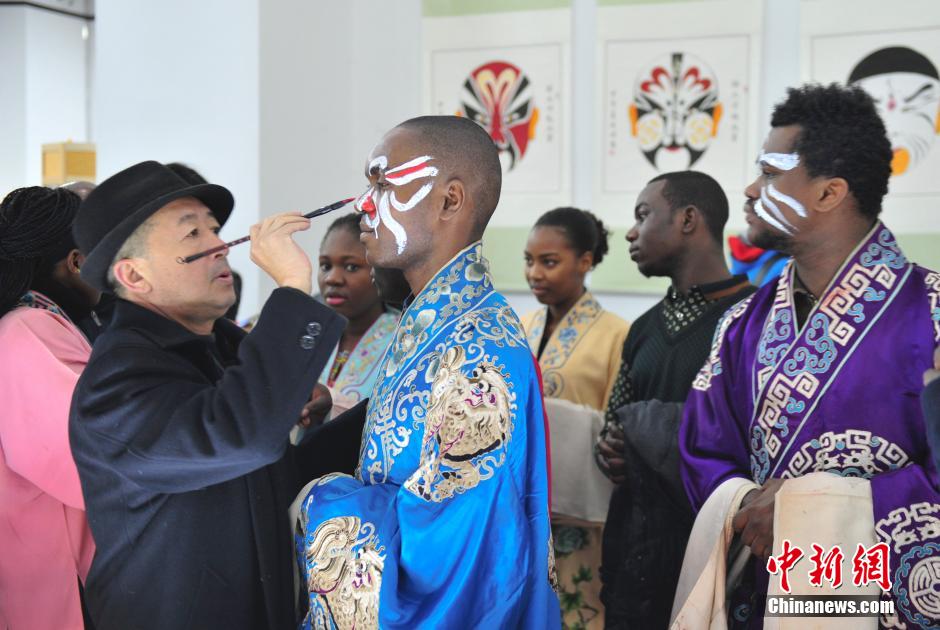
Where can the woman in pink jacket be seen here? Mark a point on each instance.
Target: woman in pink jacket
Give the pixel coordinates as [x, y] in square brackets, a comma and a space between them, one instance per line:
[45, 543]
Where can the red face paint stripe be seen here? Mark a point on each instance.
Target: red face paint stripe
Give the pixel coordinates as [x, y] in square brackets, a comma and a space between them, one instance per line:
[407, 171]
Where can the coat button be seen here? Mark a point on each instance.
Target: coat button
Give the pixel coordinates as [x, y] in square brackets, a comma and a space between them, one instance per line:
[307, 342]
[313, 329]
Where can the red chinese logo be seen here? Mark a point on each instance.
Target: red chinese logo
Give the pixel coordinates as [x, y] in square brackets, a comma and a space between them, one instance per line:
[826, 566]
[783, 563]
[869, 565]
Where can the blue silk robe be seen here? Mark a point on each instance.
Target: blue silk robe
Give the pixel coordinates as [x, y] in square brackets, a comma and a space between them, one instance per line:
[446, 523]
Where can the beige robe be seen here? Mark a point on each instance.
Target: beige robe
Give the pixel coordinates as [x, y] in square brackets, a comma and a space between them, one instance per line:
[579, 365]
[582, 357]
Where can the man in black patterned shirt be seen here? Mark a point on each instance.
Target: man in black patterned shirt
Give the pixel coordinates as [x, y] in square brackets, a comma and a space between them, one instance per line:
[680, 218]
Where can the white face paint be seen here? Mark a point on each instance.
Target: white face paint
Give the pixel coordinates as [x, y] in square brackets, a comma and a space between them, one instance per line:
[780, 161]
[769, 212]
[773, 193]
[377, 206]
[765, 207]
[415, 198]
[380, 162]
[410, 171]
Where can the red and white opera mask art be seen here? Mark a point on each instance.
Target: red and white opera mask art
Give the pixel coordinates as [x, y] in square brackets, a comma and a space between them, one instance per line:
[675, 111]
[377, 204]
[906, 90]
[498, 97]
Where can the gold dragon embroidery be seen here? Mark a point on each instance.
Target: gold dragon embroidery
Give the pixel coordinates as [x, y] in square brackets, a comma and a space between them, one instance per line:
[345, 574]
[467, 419]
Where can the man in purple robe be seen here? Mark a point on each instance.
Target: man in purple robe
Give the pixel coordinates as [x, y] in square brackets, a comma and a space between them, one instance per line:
[821, 370]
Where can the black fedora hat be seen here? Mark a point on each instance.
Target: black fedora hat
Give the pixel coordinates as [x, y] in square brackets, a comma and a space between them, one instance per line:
[121, 203]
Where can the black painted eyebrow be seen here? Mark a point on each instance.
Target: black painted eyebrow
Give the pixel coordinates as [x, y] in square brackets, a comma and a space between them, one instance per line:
[923, 88]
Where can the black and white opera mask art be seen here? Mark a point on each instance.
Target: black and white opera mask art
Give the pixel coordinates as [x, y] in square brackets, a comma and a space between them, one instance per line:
[675, 111]
[906, 89]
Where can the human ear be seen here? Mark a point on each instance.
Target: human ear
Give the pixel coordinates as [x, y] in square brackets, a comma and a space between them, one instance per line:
[74, 261]
[454, 199]
[586, 262]
[830, 193]
[690, 219]
[128, 273]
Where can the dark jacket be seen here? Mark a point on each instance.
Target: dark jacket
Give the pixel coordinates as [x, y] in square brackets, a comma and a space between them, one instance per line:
[653, 516]
[649, 518]
[181, 443]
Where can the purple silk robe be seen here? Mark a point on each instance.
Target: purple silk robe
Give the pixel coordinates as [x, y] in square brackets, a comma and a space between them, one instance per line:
[840, 394]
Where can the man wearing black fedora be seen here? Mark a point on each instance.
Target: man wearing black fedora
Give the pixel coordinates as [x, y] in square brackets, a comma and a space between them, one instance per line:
[180, 423]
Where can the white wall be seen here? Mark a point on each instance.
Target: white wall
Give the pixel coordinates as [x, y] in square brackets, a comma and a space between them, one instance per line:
[178, 81]
[279, 100]
[780, 61]
[43, 95]
[56, 84]
[385, 64]
[12, 98]
[305, 89]
[335, 75]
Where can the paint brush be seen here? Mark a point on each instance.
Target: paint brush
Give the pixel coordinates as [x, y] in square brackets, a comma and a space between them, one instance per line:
[313, 213]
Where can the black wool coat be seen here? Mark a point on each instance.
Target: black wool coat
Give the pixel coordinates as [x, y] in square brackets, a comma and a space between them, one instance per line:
[181, 443]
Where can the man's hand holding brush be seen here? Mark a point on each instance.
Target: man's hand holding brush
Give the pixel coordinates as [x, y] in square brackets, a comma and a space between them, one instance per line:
[274, 250]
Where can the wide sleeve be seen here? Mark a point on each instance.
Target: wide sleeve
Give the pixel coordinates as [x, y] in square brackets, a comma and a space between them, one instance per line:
[482, 516]
[151, 417]
[712, 435]
[905, 503]
[650, 429]
[41, 360]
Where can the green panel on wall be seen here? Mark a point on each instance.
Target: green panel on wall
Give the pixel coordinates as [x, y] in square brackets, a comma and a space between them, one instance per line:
[614, 3]
[923, 249]
[441, 8]
[504, 247]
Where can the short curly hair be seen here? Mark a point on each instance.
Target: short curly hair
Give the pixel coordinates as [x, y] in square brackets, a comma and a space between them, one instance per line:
[841, 135]
[692, 188]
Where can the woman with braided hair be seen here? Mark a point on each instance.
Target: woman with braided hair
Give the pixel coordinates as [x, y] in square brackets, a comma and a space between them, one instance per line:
[45, 541]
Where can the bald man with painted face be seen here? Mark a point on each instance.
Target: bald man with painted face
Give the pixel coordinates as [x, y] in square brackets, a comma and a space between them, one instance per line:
[821, 371]
[445, 523]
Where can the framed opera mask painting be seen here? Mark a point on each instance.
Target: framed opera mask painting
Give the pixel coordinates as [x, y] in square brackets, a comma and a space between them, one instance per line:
[675, 111]
[906, 89]
[674, 105]
[498, 96]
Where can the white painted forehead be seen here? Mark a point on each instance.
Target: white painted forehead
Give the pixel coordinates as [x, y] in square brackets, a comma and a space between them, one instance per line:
[781, 161]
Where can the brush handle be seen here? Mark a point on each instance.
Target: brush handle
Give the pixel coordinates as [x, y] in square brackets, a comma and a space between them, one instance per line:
[327, 209]
[313, 213]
